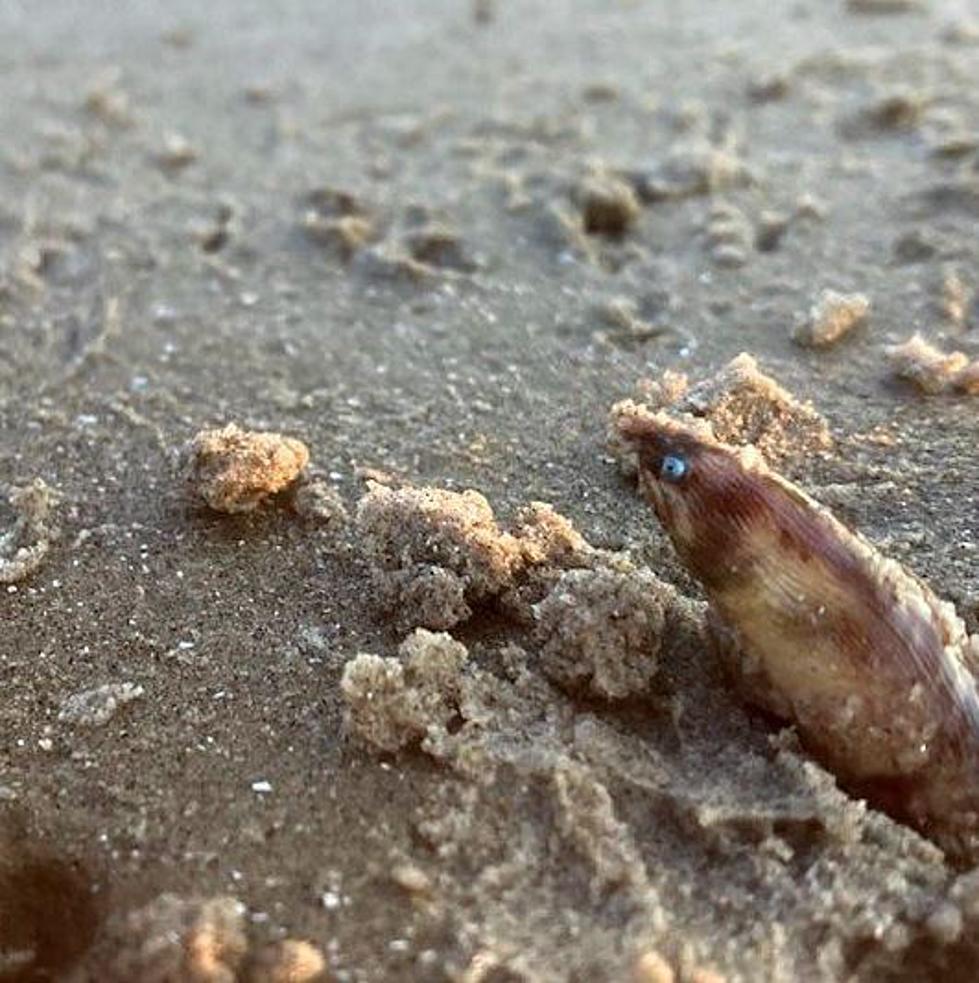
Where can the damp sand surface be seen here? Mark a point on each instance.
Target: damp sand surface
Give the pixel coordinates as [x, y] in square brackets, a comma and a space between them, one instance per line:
[445, 707]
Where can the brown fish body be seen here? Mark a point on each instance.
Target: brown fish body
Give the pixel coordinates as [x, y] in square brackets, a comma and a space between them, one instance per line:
[877, 673]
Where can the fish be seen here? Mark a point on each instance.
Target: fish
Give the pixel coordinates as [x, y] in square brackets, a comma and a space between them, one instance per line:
[878, 675]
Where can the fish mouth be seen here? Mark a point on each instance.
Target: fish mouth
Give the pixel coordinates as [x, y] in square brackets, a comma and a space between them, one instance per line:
[652, 489]
[667, 503]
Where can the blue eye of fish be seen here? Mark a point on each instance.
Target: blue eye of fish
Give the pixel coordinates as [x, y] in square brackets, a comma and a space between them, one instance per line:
[673, 467]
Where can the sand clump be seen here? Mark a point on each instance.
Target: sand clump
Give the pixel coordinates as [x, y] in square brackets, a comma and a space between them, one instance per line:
[288, 961]
[414, 246]
[900, 109]
[769, 86]
[830, 318]
[651, 967]
[439, 248]
[931, 370]
[547, 538]
[609, 205]
[395, 702]
[25, 545]
[597, 630]
[176, 153]
[587, 217]
[235, 470]
[412, 880]
[665, 391]
[108, 101]
[434, 553]
[743, 405]
[549, 545]
[963, 30]
[956, 300]
[432, 697]
[195, 940]
[700, 974]
[729, 235]
[586, 818]
[691, 168]
[625, 322]
[318, 502]
[437, 555]
[339, 220]
[96, 707]
[601, 629]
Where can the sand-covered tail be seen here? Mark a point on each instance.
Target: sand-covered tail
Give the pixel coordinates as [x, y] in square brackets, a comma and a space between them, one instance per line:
[878, 674]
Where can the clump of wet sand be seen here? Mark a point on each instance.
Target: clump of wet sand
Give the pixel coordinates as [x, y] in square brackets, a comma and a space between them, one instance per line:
[729, 236]
[415, 244]
[318, 502]
[833, 316]
[437, 555]
[287, 961]
[609, 205]
[25, 545]
[339, 220]
[173, 938]
[743, 405]
[691, 168]
[601, 629]
[235, 470]
[97, 706]
[434, 553]
[931, 370]
[395, 702]
[596, 619]
[956, 300]
[196, 940]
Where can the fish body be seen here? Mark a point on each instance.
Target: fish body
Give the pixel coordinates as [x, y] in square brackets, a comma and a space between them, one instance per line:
[876, 672]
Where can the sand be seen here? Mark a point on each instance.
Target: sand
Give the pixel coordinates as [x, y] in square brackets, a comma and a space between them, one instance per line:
[434, 242]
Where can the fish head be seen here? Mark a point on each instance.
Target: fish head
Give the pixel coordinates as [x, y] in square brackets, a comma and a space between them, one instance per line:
[694, 484]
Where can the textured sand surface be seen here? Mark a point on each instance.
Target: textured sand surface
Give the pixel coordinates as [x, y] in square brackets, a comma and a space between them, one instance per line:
[435, 241]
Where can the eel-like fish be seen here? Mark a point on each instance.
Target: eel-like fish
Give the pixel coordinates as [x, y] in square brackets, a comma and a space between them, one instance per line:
[878, 674]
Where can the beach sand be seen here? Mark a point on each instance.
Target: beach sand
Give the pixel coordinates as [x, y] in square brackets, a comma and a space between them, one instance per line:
[435, 241]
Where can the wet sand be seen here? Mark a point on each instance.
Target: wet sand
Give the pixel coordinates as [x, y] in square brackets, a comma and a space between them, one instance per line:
[436, 242]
